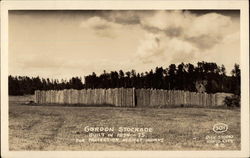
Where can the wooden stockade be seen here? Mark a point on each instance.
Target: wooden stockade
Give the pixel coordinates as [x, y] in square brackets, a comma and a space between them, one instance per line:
[153, 97]
[116, 96]
[129, 97]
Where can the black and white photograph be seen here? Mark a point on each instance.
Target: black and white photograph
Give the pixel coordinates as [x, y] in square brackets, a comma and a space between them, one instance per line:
[125, 79]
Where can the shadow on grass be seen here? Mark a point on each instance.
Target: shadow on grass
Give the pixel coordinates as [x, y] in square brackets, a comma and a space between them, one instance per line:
[70, 105]
[141, 107]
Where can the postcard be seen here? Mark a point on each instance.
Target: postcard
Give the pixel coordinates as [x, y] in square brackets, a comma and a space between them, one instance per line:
[125, 78]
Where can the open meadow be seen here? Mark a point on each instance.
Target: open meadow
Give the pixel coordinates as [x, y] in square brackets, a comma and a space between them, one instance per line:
[56, 127]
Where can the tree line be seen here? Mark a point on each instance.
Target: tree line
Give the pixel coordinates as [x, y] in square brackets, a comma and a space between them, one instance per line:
[174, 77]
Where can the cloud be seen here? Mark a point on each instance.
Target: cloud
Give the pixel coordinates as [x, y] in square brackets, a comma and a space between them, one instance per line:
[101, 27]
[118, 39]
[149, 48]
[174, 31]
[204, 31]
[208, 30]
[182, 36]
[159, 48]
[164, 20]
[204, 41]
[208, 24]
[185, 25]
[125, 17]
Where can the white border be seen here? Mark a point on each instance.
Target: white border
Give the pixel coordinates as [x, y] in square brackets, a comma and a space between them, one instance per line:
[77, 5]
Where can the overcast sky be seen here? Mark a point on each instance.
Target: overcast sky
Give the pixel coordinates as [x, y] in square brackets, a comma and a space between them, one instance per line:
[63, 44]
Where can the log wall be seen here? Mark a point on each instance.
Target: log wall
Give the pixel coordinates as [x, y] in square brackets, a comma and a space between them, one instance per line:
[128, 97]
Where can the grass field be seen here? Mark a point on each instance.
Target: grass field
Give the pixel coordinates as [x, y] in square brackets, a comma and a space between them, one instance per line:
[45, 127]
